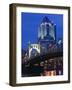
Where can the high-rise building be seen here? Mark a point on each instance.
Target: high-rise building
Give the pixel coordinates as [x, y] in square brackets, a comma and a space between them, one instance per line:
[47, 30]
[46, 33]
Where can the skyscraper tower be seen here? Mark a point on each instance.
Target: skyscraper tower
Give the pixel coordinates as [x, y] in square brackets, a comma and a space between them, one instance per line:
[46, 33]
[47, 30]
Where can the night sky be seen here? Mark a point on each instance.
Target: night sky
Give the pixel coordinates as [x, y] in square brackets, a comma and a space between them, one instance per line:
[30, 23]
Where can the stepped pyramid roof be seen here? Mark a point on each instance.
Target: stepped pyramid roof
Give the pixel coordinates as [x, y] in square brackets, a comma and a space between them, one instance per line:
[46, 19]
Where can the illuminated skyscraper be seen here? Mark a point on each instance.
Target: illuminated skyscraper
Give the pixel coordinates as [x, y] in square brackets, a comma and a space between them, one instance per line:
[46, 33]
[47, 30]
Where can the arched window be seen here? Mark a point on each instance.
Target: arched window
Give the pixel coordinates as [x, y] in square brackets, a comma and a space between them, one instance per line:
[34, 53]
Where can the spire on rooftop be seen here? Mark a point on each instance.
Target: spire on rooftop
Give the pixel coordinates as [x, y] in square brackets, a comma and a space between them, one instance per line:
[45, 19]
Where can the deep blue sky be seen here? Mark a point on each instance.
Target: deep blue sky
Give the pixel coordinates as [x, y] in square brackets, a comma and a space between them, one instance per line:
[30, 23]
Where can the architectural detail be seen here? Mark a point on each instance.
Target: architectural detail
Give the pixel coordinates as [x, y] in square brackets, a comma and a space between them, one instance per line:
[47, 30]
[34, 47]
[46, 34]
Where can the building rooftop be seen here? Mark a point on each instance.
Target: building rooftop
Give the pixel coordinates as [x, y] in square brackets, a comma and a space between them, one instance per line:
[45, 19]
